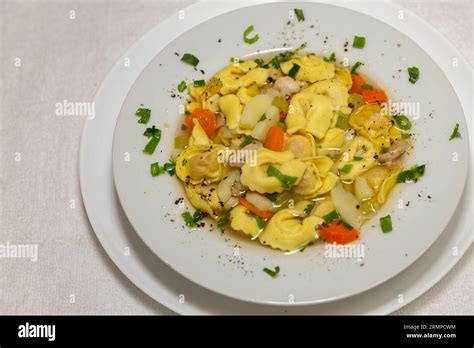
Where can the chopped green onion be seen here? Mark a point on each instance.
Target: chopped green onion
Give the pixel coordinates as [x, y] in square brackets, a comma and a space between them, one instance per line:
[199, 83]
[302, 249]
[223, 221]
[406, 135]
[386, 224]
[152, 132]
[299, 14]
[331, 216]
[346, 169]
[190, 59]
[235, 60]
[184, 127]
[366, 86]
[332, 58]
[403, 122]
[261, 63]
[455, 133]
[170, 168]
[263, 118]
[357, 158]
[273, 196]
[192, 220]
[144, 115]
[411, 175]
[359, 42]
[250, 40]
[342, 121]
[414, 74]
[248, 140]
[151, 146]
[272, 273]
[182, 86]
[285, 56]
[356, 66]
[294, 70]
[260, 222]
[286, 180]
[309, 208]
[156, 169]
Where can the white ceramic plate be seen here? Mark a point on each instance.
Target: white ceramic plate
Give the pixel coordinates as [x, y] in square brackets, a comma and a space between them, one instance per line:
[208, 258]
[159, 281]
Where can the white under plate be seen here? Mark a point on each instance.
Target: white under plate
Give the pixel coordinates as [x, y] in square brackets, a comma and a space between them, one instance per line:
[160, 282]
[209, 258]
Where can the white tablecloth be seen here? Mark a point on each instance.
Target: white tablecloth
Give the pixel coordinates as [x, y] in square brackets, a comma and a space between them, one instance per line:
[48, 57]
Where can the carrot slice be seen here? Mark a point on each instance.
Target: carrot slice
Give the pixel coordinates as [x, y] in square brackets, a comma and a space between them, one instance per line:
[275, 138]
[374, 96]
[254, 210]
[206, 118]
[337, 232]
[357, 83]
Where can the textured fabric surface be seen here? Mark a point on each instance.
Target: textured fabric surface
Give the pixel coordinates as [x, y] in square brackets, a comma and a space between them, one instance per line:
[48, 57]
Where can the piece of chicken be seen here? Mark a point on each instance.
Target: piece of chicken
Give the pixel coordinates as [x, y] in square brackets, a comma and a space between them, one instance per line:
[287, 85]
[397, 149]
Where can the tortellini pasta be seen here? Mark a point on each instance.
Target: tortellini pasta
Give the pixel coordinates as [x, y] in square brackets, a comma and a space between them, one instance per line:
[319, 150]
[287, 231]
[312, 68]
[256, 177]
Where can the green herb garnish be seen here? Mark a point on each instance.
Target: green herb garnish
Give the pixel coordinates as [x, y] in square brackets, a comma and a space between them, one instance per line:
[144, 115]
[414, 74]
[235, 60]
[331, 216]
[272, 196]
[272, 273]
[152, 144]
[359, 42]
[346, 169]
[156, 169]
[192, 220]
[152, 132]
[406, 135]
[184, 127]
[223, 221]
[263, 118]
[260, 222]
[285, 56]
[286, 180]
[356, 66]
[250, 40]
[357, 158]
[299, 14]
[294, 70]
[386, 224]
[261, 63]
[199, 83]
[455, 133]
[412, 174]
[248, 140]
[309, 208]
[170, 168]
[403, 122]
[190, 59]
[182, 86]
[331, 58]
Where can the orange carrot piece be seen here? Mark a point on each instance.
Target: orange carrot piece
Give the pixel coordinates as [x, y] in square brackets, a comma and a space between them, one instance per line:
[374, 96]
[254, 210]
[337, 232]
[206, 118]
[357, 83]
[275, 138]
